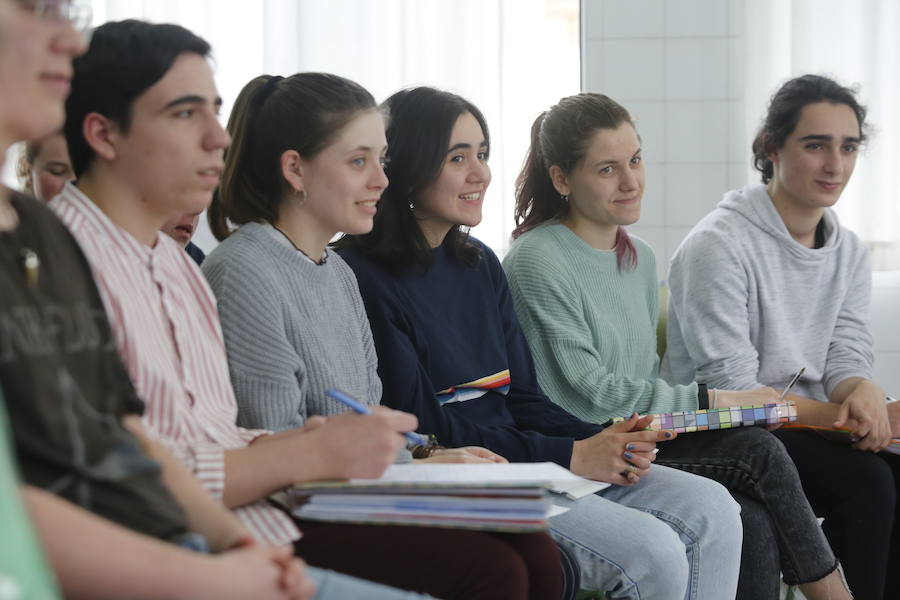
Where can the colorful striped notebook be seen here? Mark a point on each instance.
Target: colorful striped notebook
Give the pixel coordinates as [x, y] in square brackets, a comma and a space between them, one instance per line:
[687, 421]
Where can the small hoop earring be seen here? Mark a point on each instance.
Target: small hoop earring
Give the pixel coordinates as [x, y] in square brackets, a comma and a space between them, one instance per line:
[301, 197]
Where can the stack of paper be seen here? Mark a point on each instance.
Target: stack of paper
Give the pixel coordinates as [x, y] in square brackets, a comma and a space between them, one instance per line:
[498, 497]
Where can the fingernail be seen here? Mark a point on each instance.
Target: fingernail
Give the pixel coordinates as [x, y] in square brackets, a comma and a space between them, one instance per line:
[668, 434]
[629, 455]
[629, 447]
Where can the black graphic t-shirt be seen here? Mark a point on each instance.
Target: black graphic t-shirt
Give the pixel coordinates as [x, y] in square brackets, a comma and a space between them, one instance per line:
[65, 387]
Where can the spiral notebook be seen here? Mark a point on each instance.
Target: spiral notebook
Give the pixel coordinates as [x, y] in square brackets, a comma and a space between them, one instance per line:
[688, 421]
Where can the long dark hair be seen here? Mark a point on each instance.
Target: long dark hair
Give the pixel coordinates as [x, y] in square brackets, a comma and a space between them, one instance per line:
[418, 135]
[784, 114]
[303, 112]
[561, 136]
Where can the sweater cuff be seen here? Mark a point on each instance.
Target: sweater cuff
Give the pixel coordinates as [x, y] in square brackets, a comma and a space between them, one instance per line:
[835, 378]
[558, 450]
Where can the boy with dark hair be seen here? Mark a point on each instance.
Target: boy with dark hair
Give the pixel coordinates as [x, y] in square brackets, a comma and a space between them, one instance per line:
[769, 282]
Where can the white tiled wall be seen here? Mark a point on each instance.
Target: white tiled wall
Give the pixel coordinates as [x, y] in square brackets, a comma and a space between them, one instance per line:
[886, 329]
[678, 66]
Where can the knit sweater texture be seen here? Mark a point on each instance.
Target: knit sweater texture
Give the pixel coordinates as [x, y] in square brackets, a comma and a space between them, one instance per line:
[749, 306]
[455, 356]
[591, 327]
[292, 329]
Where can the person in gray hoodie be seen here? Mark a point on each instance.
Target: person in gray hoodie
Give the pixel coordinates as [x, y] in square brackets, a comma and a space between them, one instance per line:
[770, 282]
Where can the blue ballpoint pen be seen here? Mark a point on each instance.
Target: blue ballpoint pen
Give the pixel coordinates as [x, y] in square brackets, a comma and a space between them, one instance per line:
[412, 436]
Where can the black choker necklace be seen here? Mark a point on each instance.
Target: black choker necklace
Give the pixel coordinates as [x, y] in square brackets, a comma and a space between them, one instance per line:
[321, 261]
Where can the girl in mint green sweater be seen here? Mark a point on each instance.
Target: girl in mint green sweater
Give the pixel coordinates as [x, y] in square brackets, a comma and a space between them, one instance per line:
[587, 297]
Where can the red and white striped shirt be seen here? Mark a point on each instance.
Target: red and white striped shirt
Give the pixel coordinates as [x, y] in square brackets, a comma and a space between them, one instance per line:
[167, 329]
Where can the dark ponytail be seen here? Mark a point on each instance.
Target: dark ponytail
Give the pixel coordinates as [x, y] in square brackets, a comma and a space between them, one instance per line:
[536, 198]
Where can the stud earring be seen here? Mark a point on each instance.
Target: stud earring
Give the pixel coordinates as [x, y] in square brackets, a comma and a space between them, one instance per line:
[564, 198]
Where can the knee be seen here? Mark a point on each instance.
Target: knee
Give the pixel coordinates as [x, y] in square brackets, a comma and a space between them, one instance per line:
[762, 443]
[497, 570]
[713, 498]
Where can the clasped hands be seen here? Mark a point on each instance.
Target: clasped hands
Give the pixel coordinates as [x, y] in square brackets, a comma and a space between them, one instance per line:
[621, 454]
[871, 420]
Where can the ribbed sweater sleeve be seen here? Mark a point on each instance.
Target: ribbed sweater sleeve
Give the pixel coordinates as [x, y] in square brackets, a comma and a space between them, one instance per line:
[590, 326]
[292, 330]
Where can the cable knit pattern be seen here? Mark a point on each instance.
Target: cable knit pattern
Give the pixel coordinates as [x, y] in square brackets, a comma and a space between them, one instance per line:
[591, 327]
[292, 329]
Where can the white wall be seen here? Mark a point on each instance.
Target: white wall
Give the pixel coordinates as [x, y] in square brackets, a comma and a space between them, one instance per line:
[886, 329]
[679, 68]
[675, 65]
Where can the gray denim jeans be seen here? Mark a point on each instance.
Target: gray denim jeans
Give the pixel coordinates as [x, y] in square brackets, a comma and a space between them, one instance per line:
[779, 523]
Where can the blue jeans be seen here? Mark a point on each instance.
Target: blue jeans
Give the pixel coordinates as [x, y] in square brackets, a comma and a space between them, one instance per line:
[335, 586]
[671, 535]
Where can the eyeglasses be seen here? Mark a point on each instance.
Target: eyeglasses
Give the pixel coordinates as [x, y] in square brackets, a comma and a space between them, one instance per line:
[62, 11]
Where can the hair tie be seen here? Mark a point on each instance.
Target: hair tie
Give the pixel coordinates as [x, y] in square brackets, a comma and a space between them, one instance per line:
[268, 88]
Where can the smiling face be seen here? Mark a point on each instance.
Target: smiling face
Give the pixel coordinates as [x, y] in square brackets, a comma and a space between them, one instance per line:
[171, 156]
[35, 71]
[815, 164]
[606, 186]
[345, 180]
[456, 196]
[51, 168]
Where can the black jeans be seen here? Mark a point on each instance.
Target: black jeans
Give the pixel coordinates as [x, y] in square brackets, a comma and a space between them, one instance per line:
[780, 528]
[856, 493]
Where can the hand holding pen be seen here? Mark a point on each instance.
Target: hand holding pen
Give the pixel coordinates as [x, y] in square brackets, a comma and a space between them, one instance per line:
[413, 437]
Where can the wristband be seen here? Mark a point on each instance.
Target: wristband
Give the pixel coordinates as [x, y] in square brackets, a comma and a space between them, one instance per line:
[702, 396]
